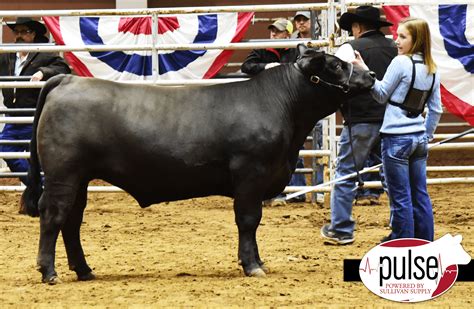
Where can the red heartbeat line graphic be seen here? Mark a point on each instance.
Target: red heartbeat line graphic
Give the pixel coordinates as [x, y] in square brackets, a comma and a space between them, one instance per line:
[453, 269]
[367, 267]
[449, 270]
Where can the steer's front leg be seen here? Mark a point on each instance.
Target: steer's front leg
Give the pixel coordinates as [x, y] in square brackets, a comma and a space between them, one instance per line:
[248, 212]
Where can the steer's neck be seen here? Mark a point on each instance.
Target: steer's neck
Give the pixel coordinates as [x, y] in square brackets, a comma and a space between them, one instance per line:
[311, 103]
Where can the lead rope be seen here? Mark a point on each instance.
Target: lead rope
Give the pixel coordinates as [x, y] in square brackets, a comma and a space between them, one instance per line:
[360, 182]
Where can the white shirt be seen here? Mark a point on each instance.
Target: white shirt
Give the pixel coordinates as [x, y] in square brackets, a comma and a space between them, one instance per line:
[19, 63]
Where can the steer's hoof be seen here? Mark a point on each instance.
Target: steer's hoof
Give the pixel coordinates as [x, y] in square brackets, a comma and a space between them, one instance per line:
[86, 277]
[257, 272]
[262, 266]
[51, 280]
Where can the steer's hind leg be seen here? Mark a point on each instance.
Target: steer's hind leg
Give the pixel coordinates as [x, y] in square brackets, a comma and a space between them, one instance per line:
[54, 205]
[248, 212]
[71, 237]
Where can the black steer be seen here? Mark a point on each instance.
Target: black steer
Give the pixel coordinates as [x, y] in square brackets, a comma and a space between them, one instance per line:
[239, 140]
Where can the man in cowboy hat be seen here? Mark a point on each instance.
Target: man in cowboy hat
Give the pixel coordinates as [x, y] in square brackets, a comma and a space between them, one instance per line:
[28, 24]
[40, 66]
[362, 113]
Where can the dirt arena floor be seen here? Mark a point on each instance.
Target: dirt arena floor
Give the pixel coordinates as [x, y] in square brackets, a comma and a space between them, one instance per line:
[185, 253]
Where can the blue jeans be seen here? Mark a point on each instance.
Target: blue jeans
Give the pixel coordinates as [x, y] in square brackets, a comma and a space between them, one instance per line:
[404, 160]
[365, 136]
[298, 179]
[16, 132]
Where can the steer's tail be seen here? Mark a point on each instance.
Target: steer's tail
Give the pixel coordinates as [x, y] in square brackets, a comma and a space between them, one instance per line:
[34, 187]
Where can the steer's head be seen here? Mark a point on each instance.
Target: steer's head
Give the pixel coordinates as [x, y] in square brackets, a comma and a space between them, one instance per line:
[330, 71]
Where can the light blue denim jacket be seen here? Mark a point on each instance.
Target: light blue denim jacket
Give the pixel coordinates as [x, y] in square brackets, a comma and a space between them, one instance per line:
[394, 87]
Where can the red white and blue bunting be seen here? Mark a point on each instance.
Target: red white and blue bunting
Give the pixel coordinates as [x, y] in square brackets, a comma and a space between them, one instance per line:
[219, 28]
[452, 33]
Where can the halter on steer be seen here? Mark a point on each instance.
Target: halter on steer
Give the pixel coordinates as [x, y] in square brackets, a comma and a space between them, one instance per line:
[316, 79]
[345, 88]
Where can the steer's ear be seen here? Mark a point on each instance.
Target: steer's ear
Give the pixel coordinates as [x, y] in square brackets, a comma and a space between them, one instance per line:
[317, 61]
[312, 61]
[301, 48]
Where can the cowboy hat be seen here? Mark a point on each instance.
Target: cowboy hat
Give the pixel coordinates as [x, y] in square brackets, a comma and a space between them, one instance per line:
[365, 14]
[32, 24]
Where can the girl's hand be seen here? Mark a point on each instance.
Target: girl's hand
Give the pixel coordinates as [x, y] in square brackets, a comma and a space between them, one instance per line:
[359, 61]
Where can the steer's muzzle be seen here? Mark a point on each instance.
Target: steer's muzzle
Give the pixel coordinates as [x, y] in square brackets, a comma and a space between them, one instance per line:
[372, 77]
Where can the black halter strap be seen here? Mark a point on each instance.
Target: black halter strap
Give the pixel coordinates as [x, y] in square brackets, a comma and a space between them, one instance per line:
[316, 79]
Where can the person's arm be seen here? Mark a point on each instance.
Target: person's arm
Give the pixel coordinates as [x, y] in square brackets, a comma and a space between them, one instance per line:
[253, 64]
[356, 59]
[55, 65]
[434, 109]
[382, 90]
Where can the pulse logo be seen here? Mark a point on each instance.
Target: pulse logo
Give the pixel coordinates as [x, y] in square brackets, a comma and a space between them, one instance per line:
[413, 270]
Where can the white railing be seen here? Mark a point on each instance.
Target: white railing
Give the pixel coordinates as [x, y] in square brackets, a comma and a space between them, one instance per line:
[438, 136]
[405, 2]
[329, 10]
[170, 11]
[150, 47]
[292, 189]
[174, 82]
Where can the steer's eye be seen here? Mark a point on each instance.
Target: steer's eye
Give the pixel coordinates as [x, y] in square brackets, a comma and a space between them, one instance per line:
[337, 66]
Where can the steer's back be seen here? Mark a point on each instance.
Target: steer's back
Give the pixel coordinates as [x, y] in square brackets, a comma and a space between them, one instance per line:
[156, 143]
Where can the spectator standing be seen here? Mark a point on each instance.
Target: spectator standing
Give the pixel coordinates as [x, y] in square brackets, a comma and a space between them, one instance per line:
[362, 113]
[302, 21]
[40, 66]
[262, 59]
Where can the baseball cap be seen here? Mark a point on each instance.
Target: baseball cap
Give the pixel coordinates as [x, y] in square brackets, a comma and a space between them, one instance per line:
[306, 14]
[282, 25]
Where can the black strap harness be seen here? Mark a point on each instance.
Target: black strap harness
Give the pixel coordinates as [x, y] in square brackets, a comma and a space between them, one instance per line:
[415, 99]
[316, 79]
